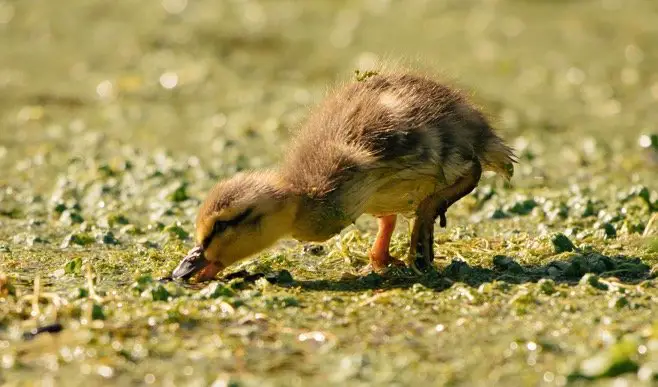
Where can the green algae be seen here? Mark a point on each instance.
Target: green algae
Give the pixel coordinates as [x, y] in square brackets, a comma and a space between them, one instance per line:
[549, 279]
[561, 243]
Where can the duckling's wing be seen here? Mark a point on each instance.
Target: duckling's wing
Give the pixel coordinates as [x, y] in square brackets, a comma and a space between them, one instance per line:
[390, 121]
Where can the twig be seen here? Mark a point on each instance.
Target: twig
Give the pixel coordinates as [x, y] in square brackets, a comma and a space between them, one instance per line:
[35, 297]
[650, 224]
[90, 285]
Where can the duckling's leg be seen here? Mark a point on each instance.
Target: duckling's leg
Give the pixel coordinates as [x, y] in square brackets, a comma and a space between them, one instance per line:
[380, 257]
[464, 185]
[421, 248]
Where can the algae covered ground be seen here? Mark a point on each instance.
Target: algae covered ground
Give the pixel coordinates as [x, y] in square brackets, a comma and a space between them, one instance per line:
[117, 117]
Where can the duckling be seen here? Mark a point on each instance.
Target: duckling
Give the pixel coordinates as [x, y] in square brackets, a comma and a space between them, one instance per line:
[395, 143]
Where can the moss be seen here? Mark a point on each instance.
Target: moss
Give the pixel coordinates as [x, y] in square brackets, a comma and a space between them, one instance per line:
[177, 231]
[547, 279]
[216, 290]
[179, 193]
[364, 75]
[77, 238]
[561, 243]
[73, 266]
[615, 360]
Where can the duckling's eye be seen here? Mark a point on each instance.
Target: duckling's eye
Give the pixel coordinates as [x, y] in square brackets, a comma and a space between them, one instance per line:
[217, 229]
[221, 225]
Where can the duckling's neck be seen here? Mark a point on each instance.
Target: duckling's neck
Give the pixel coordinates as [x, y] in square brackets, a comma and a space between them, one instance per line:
[319, 215]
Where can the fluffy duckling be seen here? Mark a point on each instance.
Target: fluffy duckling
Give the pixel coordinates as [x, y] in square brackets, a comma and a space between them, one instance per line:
[394, 143]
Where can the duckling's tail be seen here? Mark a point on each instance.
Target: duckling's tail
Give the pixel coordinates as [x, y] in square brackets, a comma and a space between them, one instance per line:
[498, 157]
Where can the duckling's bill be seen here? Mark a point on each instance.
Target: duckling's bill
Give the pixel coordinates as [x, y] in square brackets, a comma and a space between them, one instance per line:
[195, 263]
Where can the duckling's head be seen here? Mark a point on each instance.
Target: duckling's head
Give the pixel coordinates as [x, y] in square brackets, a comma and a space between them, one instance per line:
[240, 217]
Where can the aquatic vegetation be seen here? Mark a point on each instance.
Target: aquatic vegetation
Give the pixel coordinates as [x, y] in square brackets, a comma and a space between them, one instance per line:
[106, 154]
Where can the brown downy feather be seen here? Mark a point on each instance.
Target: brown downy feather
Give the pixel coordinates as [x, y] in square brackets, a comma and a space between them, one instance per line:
[392, 119]
[498, 157]
[381, 145]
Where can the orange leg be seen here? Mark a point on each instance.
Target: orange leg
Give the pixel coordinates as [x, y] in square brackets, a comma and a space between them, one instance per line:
[379, 254]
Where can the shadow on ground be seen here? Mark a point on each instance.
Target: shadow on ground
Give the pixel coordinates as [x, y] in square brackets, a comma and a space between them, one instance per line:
[625, 269]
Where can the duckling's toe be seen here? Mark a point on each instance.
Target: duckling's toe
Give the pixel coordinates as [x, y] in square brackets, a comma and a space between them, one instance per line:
[421, 267]
[442, 218]
[381, 259]
[392, 265]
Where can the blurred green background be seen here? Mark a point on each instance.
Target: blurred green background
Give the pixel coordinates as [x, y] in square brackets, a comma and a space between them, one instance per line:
[190, 76]
[117, 116]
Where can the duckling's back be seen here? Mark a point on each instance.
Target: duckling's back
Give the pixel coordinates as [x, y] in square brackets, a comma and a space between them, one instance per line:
[393, 122]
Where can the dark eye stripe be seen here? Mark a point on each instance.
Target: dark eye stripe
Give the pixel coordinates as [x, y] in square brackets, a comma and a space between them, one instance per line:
[222, 225]
[238, 219]
[255, 219]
